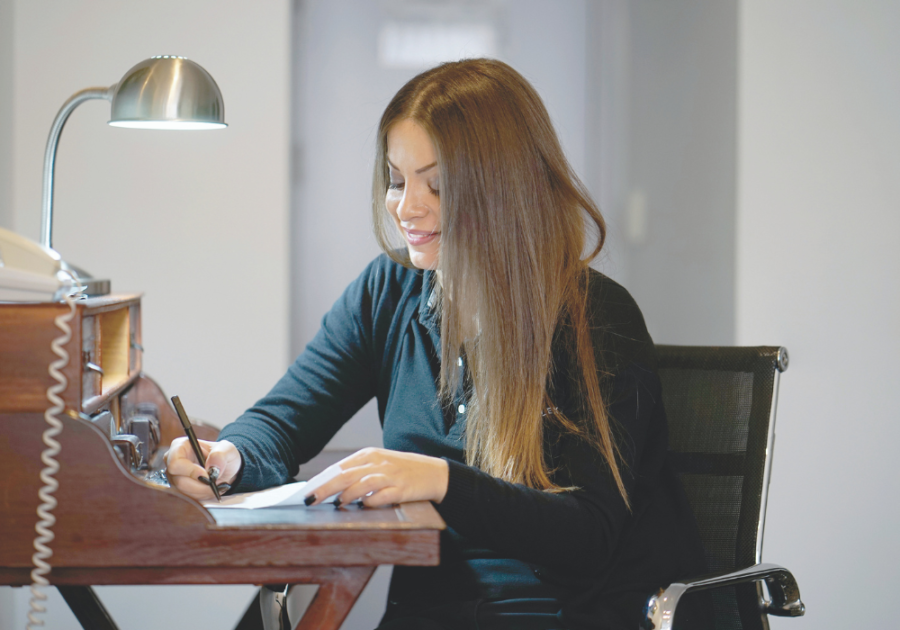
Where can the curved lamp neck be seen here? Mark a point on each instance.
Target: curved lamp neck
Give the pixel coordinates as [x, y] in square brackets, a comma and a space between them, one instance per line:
[50, 154]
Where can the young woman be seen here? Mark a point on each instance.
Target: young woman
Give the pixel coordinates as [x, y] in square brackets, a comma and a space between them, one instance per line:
[516, 386]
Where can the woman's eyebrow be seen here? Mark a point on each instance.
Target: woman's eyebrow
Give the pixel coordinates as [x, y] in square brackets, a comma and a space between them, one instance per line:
[418, 171]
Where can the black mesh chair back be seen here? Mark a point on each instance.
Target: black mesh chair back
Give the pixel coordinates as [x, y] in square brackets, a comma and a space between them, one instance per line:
[720, 403]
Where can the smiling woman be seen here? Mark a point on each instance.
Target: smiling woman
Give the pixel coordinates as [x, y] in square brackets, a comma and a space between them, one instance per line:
[517, 387]
[513, 233]
[413, 195]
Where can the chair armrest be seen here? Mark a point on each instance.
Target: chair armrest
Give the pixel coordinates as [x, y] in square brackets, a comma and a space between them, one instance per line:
[781, 584]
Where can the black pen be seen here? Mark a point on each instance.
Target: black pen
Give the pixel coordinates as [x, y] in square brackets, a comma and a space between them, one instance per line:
[189, 430]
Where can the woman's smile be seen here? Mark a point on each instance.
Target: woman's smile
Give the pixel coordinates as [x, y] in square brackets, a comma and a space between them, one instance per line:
[418, 238]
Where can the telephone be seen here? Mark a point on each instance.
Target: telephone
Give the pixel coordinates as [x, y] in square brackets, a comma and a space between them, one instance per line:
[32, 273]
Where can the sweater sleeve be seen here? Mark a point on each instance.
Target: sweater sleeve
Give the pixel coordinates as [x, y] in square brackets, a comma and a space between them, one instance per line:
[327, 384]
[578, 530]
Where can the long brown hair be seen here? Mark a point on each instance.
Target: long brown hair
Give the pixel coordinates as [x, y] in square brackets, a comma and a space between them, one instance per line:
[515, 221]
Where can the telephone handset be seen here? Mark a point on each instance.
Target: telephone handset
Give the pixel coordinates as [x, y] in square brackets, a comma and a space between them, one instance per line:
[32, 273]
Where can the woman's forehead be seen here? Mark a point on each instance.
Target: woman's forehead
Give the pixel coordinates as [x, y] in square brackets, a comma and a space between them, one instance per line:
[409, 146]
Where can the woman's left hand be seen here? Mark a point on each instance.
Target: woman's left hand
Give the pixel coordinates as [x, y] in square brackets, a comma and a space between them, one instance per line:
[379, 477]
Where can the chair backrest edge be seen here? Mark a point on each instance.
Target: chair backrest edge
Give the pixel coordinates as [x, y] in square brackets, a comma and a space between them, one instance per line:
[781, 364]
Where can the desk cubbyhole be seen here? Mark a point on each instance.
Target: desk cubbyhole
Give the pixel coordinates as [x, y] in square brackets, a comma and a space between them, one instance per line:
[115, 348]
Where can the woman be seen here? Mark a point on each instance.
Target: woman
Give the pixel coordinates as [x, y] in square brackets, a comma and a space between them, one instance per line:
[516, 386]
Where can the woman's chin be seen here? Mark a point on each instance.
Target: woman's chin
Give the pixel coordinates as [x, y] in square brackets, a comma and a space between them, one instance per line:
[423, 260]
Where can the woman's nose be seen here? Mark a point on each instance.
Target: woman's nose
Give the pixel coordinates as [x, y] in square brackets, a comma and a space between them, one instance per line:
[412, 205]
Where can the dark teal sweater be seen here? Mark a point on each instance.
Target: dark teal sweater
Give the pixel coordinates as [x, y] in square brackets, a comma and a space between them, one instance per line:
[505, 541]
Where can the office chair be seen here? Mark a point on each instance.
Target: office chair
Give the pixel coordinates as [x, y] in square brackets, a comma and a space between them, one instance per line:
[720, 403]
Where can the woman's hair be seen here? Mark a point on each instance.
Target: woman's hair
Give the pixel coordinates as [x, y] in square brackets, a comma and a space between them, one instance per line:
[514, 226]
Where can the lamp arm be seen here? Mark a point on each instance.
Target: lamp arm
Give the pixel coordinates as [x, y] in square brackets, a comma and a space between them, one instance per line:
[50, 154]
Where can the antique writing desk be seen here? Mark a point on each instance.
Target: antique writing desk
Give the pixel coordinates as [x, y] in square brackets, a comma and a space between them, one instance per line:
[116, 523]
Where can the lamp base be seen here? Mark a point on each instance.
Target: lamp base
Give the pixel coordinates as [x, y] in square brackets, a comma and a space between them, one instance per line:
[92, 287]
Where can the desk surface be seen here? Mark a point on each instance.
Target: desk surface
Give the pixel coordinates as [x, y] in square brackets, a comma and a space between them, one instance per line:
[108, 518]
[113, 528]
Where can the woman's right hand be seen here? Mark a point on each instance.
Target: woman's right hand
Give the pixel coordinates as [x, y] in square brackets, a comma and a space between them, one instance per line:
[184, 472]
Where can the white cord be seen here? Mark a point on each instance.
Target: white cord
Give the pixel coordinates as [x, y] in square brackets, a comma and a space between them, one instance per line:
[46, 520]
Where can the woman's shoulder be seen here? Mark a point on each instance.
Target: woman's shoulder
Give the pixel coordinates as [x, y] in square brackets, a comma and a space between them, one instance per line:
[617, 324]
[383, 291]
[386, 268]
[383, 275]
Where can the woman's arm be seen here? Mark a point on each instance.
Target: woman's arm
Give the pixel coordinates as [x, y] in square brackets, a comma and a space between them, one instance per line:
[328, 383]
[580, 529]
[577, 530]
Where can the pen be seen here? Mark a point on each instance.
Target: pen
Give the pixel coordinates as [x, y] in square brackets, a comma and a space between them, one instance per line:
[189, 430]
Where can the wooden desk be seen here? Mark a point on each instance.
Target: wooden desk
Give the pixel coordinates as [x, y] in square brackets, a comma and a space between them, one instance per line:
[113, 527]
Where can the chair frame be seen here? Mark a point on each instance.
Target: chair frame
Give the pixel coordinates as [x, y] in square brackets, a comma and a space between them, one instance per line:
[784, 594]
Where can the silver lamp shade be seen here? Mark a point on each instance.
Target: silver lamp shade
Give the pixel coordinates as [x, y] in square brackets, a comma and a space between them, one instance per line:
[167, 92]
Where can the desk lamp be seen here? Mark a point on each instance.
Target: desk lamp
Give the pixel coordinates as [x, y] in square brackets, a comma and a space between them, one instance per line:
[165, 92]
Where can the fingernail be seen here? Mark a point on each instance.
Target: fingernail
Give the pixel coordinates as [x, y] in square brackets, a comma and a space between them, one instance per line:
[310, 499]
[203, 479]
[337, 502]
[224, 487]
[213, 472]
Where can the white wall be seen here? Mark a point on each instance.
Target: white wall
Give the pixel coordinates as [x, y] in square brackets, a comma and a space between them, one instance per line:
[817, 271]
[678, 240]
[7, 40]
[7, 596]
[195, 220]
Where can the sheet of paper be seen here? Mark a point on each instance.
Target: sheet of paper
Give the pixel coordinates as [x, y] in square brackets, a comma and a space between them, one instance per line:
[279, 496]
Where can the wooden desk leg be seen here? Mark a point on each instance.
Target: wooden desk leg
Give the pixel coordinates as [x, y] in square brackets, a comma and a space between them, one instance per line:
[87, 607]
[333, 601]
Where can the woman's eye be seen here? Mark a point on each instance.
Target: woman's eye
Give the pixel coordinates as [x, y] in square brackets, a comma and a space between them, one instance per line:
[395, 186]
[435, 188]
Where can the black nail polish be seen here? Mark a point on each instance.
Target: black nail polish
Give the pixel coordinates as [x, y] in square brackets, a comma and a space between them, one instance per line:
[337, 502]
[203, 479]
[310, 499]
[224, 487]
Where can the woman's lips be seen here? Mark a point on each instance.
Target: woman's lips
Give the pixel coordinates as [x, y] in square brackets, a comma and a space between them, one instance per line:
[418, 238]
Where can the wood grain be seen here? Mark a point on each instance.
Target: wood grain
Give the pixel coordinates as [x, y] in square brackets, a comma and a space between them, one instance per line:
[147, 390]
[115, 528]
[334, 599]
[26, 331]
[107, 517]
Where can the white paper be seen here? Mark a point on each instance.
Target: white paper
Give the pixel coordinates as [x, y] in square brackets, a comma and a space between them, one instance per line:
[279, 496]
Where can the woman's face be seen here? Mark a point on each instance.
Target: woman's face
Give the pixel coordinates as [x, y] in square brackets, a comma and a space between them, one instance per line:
[413, 193]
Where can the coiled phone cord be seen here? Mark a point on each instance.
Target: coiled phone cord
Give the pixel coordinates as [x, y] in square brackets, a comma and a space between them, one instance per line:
[46, 520]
